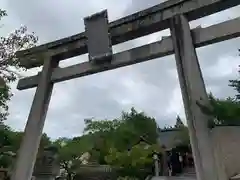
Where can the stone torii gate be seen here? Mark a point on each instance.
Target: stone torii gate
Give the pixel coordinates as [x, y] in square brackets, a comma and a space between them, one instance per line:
[173, 14]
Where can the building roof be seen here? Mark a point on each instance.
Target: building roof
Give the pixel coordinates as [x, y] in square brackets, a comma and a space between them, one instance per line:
[169, 138]
[141, 139]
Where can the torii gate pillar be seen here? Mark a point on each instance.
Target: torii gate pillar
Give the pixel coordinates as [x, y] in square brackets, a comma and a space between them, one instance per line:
[35, 123]
[193, 91]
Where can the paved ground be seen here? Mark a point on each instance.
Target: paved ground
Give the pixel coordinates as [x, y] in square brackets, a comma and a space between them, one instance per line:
[175, 178]
[189, 174]
[181, 178]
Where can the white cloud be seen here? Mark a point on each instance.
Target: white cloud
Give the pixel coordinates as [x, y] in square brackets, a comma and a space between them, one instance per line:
[225, 66]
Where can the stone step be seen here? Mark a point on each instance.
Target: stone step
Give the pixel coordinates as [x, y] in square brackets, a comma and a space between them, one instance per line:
[188, 174]
[175, 178]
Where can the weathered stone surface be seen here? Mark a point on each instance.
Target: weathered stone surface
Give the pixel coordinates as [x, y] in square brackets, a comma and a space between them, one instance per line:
[27, 153]
[201, 37]
[193, 93]
[226, 141]
[95, 172]
[47, 163]
[130, 27]
[98, 39]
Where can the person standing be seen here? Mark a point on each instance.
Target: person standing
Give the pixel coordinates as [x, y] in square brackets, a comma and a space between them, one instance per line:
[175, 163]
[181, 162]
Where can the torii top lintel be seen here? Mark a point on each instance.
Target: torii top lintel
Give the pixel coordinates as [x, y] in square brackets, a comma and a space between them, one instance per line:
[127, 28]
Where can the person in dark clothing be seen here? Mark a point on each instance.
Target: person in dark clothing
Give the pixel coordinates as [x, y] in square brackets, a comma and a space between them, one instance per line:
[175, 163]
[184, 163]
[169, 154]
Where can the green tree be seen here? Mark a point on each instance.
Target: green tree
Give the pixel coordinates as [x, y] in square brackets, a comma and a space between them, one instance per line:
[131, 162]
[124, 131]
[67, 156]
[9, 64]
[10, 143]
[236, 84]
[70, 151]
[102, 135]
[114, 141]
[224, 111]
[93, 126]
[138, 156]
[5, 143]
[138, 124]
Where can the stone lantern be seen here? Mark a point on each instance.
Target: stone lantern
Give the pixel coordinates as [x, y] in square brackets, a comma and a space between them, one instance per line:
[47, 166]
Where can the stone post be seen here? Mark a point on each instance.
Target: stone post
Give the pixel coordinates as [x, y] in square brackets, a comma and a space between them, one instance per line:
[193, 92]
[47, 165]
[165, 170]
[156, 165]
[27, 153]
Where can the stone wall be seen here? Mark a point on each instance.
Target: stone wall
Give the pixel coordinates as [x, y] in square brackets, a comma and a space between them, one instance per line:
[95, 172]
[226, 143]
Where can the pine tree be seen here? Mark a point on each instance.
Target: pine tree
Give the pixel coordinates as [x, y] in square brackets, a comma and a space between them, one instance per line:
[179, 123]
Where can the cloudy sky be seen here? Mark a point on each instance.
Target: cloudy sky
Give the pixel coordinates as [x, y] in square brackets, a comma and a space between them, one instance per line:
[151, 87]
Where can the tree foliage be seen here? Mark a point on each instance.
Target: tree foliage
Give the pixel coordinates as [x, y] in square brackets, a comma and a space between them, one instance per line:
[70, 152]
[9, 64]
[139, 124]
[179, 123]
[236, 84]
[134, 162]
[117, 145]
[103, 137]
[124, 131]
[227, 111]
[137, 157]
[102, 126]
[10, 143]
[224, 111]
